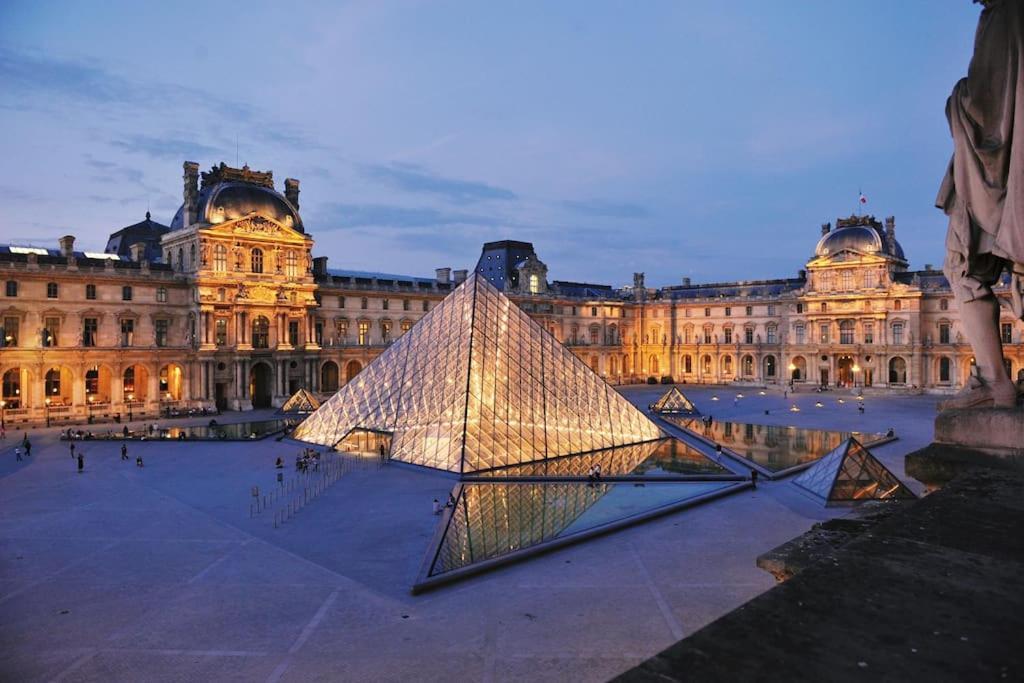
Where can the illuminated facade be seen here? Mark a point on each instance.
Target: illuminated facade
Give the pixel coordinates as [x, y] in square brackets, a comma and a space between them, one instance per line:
[227, 307]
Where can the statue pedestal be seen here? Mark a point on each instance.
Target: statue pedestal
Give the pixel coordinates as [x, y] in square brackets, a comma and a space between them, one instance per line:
[967, 439]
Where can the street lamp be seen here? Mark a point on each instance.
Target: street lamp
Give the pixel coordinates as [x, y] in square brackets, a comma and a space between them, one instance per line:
[89, 407]
[856, 369]
[131, 400]
[47, 411]
[3, 423]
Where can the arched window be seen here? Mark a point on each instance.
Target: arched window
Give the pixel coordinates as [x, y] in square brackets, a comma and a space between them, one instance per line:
[688, 364]
[534, 284]
[748, 366]
[257, 260]
[192, 257]
[92, 381]
[613, 366]
[220, 258]
[12, 388]
[329, 376]
[897, 371]
[897, 333]
[291, 264]
[769, 366]
[653, 365]
[845, 331]
[52, 385]
[727, 365]
[181, 259]
[260, 333]
[798, 369]
[705, 363]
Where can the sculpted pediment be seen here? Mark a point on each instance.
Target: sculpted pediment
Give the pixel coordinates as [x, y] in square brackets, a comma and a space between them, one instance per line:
[259, 227]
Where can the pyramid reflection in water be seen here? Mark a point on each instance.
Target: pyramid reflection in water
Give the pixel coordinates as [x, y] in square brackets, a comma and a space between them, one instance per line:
[302, 402]
[476, 384]
[850, 474]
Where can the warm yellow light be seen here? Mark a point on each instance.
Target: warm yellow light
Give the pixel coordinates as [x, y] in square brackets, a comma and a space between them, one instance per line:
[792, 367]
[739, 395]
[714, 398]
[47, 401]
[794, 409]
[856, 368]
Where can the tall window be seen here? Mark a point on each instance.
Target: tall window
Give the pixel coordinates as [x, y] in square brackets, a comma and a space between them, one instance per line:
[800, 334]
[846, 278]
[534, 284]
[1006, 333]
[256, 260]
[707, 312]
[160, 330]
[363, 303]
[127, 331]
[52, 382]
[260, 333]
[90, 292]
[291, 264]
[10, 331]
[748, 335]
[406, 304]
[846, 332]
[51, 290]
[341, 302]
[385, 331]
[707, 335]
[749, 310]
[220, 332]
[897, 333]
[181, 259]
[89, 328]
[364, 332]
[728, 335]
[943, 304]
[687, 364]
[12, 388]
[869, 278]
[51, 331]
[406, 326]
[943, 333]
[728, 311]
[385, 304]
[897, 305]
[823, 335]
[869, 333]
[128, 382]
[293, 332]
[92, 382]
[126, 293]
[426, 306]
[12, 288]
[944, 369]
[192, 256]
[771, 309]
[220, 258]
[161, 294]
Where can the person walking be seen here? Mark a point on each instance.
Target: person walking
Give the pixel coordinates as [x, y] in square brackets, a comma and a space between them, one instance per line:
[124, 451]
[72, 451]
[81, 462]
[17, 454]
[138, 461]
[28, 446]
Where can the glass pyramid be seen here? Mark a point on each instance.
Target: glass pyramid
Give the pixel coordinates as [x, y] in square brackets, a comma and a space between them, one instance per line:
[300, 403]
[849, 473]
[674, 401]
[477, 384]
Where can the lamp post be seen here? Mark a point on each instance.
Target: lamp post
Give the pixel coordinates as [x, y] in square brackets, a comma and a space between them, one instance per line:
[856, 370]
[3, 423]
[89, 408]
[47, 411]
[131, 400]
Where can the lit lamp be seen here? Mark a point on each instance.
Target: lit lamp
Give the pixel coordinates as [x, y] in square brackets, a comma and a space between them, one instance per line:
[856, 369]
[3, 404]
[89, 408]
[818, 404]
[739, 395]
[47, 411]
[794, 409]
[131, 400]
[762, 392]
[714, 398]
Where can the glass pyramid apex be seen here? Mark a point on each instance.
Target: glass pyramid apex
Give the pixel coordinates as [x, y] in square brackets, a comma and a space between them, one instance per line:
[477, 384]
[850, 473]
[674, 401]
[302, 402]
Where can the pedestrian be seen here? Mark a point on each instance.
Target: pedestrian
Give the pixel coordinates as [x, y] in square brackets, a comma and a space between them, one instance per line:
[437, 507]
[3, 432]
[17, 453]
[138, 461]
[383, 452]
[597, 472]
[81, 462]
[125, 431]
[72, 451]
[753, 478]
[28, 446]
[785, 393]
[279, 464]
[124, 451]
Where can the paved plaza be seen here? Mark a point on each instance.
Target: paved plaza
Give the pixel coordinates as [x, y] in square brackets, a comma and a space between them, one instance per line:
[160, 573]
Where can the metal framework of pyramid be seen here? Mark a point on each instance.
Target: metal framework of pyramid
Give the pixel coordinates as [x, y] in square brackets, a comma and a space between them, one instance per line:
[848, 474]
[674, 402]
[477, 384]
[300, 403]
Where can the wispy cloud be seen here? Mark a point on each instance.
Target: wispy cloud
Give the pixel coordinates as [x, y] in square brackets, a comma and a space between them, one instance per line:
[165, 147]
[598, 208]
[415, 178]
[341, 216]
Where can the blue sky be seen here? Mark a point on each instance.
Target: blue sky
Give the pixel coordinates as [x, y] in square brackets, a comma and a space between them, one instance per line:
[685, 139]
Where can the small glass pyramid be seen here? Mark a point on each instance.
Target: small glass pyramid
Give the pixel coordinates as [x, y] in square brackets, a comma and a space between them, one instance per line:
[674, 402]
[849, 473]
[477, 384]
[301, 402]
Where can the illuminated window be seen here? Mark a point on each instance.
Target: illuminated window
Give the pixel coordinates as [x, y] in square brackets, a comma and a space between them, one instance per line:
[92, 382]
[534, 284]
[51, 331]
[10, 332]
[260, 333]
[220, 258]
[364, 332]
[1006, 333]
[52, 383]
[846, 332]
[823, 334]
[291, 264]
[220, 332]
[256, 260]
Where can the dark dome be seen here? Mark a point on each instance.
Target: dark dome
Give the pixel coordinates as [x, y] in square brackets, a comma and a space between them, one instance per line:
[232, 200]
[862, 238]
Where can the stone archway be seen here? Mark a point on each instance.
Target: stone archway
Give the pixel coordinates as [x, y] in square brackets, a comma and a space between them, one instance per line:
[261, 383]
[329, 377]
[352, 368]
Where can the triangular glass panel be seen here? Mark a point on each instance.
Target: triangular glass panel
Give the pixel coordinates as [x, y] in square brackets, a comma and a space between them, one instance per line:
[849, 474]
[674, 402]
[302, 402]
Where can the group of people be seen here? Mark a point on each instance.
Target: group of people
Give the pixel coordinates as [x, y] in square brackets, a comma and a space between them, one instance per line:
[26, 445]
[594, 474]
[308, 457]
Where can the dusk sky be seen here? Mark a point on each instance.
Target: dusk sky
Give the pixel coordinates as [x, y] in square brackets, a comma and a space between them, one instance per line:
[699, 139]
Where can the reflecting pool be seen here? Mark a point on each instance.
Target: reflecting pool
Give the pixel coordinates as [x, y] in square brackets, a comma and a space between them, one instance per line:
[500, 519]
[661, 458]
[774, 448]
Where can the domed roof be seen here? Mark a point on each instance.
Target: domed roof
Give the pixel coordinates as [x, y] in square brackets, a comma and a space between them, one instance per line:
[867, 237]
[231, 200]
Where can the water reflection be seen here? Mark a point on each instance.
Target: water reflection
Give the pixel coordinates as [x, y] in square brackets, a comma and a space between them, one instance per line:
[773, 447]
[663, 457]
[491, 520]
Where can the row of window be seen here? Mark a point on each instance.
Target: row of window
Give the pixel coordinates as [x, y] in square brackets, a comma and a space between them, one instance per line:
[364, 304]
[53, 291]
[133, 385]
[50, 333]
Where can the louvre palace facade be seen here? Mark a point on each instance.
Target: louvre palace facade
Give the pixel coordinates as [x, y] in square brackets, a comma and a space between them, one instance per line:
[228, 308]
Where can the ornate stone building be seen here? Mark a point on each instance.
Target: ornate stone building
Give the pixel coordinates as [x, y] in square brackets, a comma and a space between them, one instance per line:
[227, 308]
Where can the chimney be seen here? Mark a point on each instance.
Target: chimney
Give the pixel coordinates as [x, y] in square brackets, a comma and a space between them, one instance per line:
[138, 252]
[890, 227]
[67, 245]
[319, 263]
[686, 282]
[460, 276]
[443, 275]
[801, 274]
[927, 266]
[291, 191]
[826, 228]
[191, 193]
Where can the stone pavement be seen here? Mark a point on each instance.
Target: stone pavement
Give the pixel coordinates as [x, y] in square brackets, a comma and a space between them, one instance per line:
[159, 573]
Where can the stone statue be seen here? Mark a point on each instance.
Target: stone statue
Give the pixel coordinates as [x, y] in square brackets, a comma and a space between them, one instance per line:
[983, 195]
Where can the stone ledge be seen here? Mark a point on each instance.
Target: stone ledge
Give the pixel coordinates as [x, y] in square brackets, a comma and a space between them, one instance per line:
[935, 592]
[998, 431]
